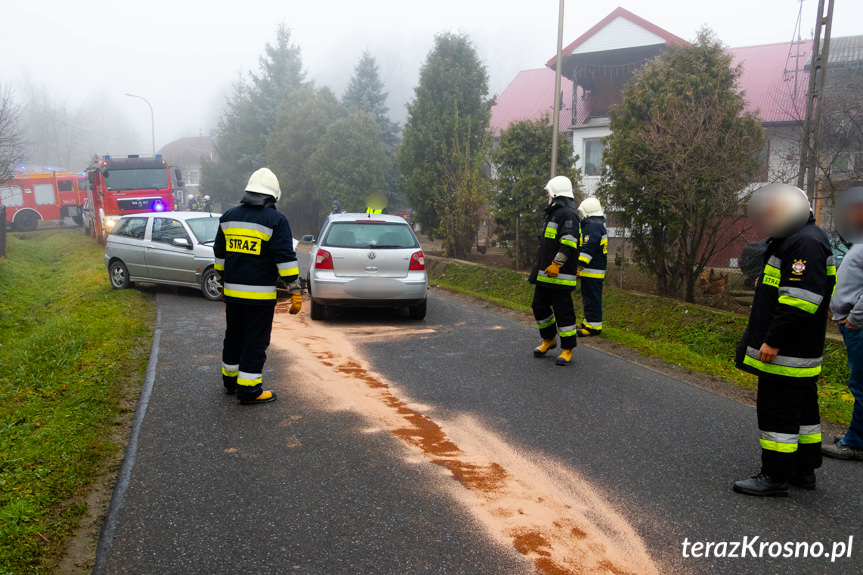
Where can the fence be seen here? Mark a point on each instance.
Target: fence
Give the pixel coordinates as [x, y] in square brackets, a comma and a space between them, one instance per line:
[3, 226]
[720, 287]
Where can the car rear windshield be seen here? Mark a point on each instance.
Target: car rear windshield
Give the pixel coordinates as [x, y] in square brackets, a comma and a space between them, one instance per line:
[363, 235]
[204, 229]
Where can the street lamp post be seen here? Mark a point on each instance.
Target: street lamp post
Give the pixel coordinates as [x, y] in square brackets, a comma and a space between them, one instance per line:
[152, 120]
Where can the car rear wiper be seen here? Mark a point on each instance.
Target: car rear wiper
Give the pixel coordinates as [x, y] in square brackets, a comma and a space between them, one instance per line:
[386, 247]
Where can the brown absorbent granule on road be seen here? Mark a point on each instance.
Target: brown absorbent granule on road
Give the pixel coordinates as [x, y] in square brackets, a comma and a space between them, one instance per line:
[543, 509]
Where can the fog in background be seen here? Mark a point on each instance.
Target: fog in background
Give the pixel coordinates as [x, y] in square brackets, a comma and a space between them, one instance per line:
[183, 55]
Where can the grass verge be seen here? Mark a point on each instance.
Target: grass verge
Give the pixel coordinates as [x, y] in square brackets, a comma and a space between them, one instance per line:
[692, 337]
[71, 350]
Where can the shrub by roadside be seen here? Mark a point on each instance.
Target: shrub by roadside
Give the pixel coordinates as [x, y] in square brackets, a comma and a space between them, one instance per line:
[693, 337]
[73, 356]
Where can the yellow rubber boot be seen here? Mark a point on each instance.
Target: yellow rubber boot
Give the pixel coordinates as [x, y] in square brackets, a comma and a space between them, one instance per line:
[565, 357]
[543, 348]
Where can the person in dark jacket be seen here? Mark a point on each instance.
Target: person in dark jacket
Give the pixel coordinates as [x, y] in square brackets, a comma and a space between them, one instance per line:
[254, 249]
[784, 340]
[592, 262]
[337, 208]
[554, 272]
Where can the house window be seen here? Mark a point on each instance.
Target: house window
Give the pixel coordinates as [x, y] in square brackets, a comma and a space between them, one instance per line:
[593, 149]
[192, 178]
[842, 164]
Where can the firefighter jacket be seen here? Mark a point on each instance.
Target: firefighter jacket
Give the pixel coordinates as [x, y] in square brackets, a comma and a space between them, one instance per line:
[253, 249]
[791, 303]
[560, 234]
[593, 247]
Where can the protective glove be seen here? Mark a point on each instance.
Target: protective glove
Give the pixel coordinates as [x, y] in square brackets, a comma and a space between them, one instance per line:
[221, 279]
[296, 303]
[553, 270]
[578, 272]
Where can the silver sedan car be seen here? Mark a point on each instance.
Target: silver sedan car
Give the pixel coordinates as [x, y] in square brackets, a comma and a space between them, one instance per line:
[368, 260]
[174, 248]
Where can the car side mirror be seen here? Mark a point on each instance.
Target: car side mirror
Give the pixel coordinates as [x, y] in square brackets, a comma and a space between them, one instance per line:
[308, 239]
[182, 242]
[91, 177]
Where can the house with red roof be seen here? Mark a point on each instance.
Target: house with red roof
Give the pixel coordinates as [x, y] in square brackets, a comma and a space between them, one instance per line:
[188, 154]
[599, 63]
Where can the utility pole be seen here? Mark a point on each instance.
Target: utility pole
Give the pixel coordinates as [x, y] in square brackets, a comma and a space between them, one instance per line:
[555, 134]
[810, 145]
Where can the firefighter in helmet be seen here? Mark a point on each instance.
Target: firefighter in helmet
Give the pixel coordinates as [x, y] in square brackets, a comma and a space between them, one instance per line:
[554, 272]
[592, 261]
[784, 341]
[254, 250]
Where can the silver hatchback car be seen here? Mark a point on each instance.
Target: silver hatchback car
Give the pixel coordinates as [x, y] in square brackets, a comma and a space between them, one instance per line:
[370, 260]
[174, 248]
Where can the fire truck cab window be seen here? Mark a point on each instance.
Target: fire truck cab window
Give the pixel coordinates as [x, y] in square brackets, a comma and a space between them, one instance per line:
[131, 228]
[137, 179]
[166, 230]
[65, 186]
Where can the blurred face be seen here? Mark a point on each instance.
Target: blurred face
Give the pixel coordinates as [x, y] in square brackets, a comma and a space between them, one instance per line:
[778, 210]
[848, 215]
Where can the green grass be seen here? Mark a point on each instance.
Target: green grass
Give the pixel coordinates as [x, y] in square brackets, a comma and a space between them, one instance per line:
[693, 337]
[70, 349]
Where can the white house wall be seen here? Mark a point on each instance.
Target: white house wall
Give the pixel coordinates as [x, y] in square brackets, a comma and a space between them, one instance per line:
[618, 34]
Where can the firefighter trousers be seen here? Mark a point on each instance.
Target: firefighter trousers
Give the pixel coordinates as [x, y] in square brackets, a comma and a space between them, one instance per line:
[591, 297]
[555, 314]
[247, 336]
[789, 425]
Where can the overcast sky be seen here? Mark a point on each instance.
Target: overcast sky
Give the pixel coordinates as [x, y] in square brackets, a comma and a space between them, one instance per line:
[183, 54]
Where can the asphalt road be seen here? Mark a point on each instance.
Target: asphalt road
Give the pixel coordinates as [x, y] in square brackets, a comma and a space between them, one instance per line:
[311, 483]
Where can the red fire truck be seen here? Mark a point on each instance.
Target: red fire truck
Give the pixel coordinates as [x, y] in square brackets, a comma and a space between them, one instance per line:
[122, 185]
[30, 198]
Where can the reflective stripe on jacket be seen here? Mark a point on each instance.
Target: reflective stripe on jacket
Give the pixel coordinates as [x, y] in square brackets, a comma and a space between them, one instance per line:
[253, 249]
[560, 234]
[593, 247]
[789, 310]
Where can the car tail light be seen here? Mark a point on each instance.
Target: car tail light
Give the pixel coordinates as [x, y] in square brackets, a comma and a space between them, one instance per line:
[323, 260]
[418, 262]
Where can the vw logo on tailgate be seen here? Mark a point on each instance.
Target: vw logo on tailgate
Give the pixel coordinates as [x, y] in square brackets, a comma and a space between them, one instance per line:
[372, 255]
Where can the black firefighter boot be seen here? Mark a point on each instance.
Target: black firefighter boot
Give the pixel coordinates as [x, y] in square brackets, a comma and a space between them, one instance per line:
[762, 486]
[230, 384]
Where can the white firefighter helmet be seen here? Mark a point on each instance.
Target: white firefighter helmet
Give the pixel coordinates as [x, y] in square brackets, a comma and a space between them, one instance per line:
[206, 198]
[590, 207]
[191, 197]
[265, 182]
[559, 186]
